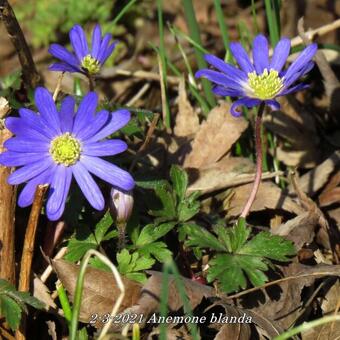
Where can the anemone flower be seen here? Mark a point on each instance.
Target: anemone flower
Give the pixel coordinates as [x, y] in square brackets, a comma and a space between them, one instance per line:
[262, 80]
[53, 146]
[84, 60]
[258, 83]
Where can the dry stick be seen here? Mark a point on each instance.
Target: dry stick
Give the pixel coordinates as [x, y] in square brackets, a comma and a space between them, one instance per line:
[7, 218]
[27, 253]
[258, 173]
[58, 87]
[30, 75]
[146, 141]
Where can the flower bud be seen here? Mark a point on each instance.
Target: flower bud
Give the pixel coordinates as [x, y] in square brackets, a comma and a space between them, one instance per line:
[121, 204]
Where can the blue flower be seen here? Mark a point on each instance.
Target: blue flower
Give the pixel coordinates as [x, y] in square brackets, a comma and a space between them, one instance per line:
[84, 61]
[262, 80]
[53, 146]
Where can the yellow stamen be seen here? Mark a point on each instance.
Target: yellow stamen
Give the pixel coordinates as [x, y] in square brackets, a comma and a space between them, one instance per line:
[65, 149]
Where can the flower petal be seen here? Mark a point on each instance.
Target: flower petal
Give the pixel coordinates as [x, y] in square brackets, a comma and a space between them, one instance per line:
[94, 126]
[63, 54]
[46, 106]
[63, 67]
[273, 104]
[108, 172]
[59, 189]
[304, 57]
[105, 148]
[20, 158]
[103, 47]
[27, 194]
[88, 186]
[20, 144]
[220, 79]
[228, 69]
[96, 40]
[32, 119]
[66, 114]
[298, 87]
[298, 74]
[241, 57]
[24, 128]
[29, 171]
[108, 52]
[260, 53]
[78, 41]
[86, 112]
[248, 102]
[226, 92]
[280, 55]
[117, 120]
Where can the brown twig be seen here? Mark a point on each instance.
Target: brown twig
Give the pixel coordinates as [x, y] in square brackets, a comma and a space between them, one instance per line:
[146, 141]
[27, 253]
[30, 74]
[7, 218]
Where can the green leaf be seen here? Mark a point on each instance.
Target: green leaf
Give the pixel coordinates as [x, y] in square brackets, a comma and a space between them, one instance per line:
[11, 310]
[103, 226]
[246, 259]
[270, 246]
[151, 233]
[158, 250]
[179, 179]
[187, 210]
[197, 236]
[130, 265]
[168, 201]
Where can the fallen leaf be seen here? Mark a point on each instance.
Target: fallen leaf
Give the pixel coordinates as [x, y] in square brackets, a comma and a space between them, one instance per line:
[223, 174]
[42, 293]
[215, 137]
[269, 196]
[293, 124]
[315, 179]
[283, 301]
[187, 122]
[100, 290]
[4, 107]
[300, 229]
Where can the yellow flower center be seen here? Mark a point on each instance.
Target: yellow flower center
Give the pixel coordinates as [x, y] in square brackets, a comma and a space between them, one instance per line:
[90, 64]
[266, 85]
[65, 149]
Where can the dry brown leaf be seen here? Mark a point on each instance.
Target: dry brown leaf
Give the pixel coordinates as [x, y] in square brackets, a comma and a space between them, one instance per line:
[100, 290]
[295, 125]
[269, 196]
[4, 107]
[187, 122]
[283, 307]
[215, 137]
[316, 178]
[225, 173]
[42, 293]
[300, 229]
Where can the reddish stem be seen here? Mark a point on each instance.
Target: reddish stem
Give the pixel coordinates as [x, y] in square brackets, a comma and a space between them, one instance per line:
[258, 174]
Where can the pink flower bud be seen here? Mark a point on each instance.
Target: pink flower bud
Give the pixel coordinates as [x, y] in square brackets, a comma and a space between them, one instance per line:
[121, 204]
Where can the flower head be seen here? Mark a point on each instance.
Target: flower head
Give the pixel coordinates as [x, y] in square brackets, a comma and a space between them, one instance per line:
[53, 146]
[84, 60]
[121, 205]
[262, 80]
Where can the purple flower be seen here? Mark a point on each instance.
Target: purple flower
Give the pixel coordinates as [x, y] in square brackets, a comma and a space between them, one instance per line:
[262, 80]
[83, 61]
[53, 146]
